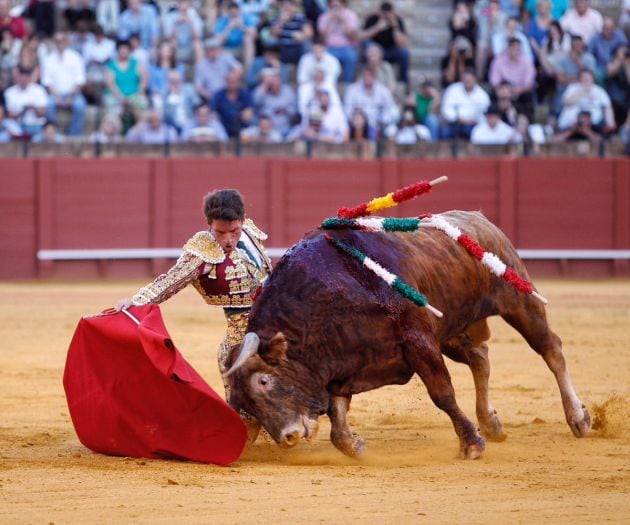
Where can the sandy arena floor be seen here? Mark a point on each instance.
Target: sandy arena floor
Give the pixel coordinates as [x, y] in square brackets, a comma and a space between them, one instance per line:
[410, 474]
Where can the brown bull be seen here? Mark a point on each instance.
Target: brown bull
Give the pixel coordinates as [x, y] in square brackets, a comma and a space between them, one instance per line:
[324, 328]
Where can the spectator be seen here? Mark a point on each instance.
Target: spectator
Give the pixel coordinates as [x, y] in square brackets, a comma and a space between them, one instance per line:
[558, 8]
[313, 130]
[126, 83]
[177, 102]
[107, 15]
[63, 75]
[141, 54]
[42, 13]
[504, 102]
[81, 36]
[492, 130]
[211, 72]
[585, 95]
[307, 92]
[276, 100]
[205, 127]
[9, 55]
[9, 128]
[254, 8]
[313, 9]
[16, 25]
[491, 21]
[159, 69]
[463, 23]
[387, 29]
[237, 33]
[603, 45]
[408, 130]
[139, 19]
[49, 134]
[318, 58]
[568, 66]
[234, 105]
[552, 50]
[269, 59]
[538, 27]
[262, 132]
[581, 129]
[109, 131]
[151, 130]
[624, 19]
[426, 104]
[360, 129]
[96, 54]
[384, 70]
[463, 106]
[582, 20]
[79, 11]
[26, 102]
[334, 124]
[500, 40]
[512, 8]
[31, 55]
[292, 30]
[460, 58]
[184, 28]
[373, 98]
[339, 27]
[618, 83]
[513, 67]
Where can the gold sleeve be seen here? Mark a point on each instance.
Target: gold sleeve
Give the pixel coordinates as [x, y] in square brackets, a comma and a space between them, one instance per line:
[187, 268]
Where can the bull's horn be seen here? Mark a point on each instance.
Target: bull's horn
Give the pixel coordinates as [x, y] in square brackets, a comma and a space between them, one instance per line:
[248, 348]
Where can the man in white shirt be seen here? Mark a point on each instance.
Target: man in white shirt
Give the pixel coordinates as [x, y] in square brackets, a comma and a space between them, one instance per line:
[373, 98]
[63, 75]
[586, 95]
[318, 58]
[463, 106]
[582, 20]
[26, 103]
[492, 130]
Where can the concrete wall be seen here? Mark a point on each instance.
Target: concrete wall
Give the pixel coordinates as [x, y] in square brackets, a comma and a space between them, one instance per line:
[144, 203]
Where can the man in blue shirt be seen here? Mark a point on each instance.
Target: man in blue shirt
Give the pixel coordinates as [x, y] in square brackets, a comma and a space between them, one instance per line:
[603, 45]
[140, 19]
[233, 104]
[237, 33]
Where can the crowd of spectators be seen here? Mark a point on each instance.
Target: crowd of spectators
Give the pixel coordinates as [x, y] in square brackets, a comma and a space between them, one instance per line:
[276, 71]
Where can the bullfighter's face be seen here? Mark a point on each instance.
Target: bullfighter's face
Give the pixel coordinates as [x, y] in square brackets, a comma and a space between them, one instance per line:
[226, 233]
[276, 390]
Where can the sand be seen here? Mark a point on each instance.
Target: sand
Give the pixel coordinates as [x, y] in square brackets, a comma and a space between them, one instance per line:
[411, 472]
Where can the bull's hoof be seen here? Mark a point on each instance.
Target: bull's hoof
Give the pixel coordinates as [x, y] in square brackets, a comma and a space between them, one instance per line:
[581, 427]
[473, 450]
[492, 429]
[350, 444]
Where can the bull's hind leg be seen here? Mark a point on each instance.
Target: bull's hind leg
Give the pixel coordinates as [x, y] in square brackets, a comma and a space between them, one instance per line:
[470, 348]
[531, 323]
[426, 360]
[341, 435]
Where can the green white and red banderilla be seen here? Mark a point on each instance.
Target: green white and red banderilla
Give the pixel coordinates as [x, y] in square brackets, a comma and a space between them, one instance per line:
[412, 224]
[488, 259]
[373, 224]
[391, 199]
[407, 291]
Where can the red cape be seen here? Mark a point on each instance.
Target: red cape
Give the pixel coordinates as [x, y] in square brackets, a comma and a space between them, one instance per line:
[131, 393]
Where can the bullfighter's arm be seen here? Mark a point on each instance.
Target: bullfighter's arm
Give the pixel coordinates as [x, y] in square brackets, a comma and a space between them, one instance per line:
[187, 268]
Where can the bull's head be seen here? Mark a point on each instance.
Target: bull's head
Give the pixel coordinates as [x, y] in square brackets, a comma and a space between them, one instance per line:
[280, 392]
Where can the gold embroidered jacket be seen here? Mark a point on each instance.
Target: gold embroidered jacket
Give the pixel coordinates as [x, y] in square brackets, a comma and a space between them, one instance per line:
[222, 280]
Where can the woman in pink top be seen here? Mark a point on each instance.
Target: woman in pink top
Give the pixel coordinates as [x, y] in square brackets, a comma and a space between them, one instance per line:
[338, 29]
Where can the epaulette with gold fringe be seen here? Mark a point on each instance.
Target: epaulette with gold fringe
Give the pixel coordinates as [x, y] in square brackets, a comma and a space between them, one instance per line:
[203, 245]
[253, 230]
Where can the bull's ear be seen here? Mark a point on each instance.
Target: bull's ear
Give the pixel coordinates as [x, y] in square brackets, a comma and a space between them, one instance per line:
[278, 347]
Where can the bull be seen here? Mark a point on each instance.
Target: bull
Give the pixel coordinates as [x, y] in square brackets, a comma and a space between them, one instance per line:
[324, 329]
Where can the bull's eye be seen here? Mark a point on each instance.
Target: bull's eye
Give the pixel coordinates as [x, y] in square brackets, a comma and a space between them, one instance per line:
[264, 381]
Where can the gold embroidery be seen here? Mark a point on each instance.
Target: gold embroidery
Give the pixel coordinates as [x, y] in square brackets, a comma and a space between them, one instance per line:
[185, 271]
[203, 245]
[253, 230]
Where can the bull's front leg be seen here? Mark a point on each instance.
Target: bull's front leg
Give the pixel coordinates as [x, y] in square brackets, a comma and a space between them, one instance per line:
[426, 360]
[341, 435]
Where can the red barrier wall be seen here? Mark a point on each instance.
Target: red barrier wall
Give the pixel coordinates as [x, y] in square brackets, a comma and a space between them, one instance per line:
[143, 202]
